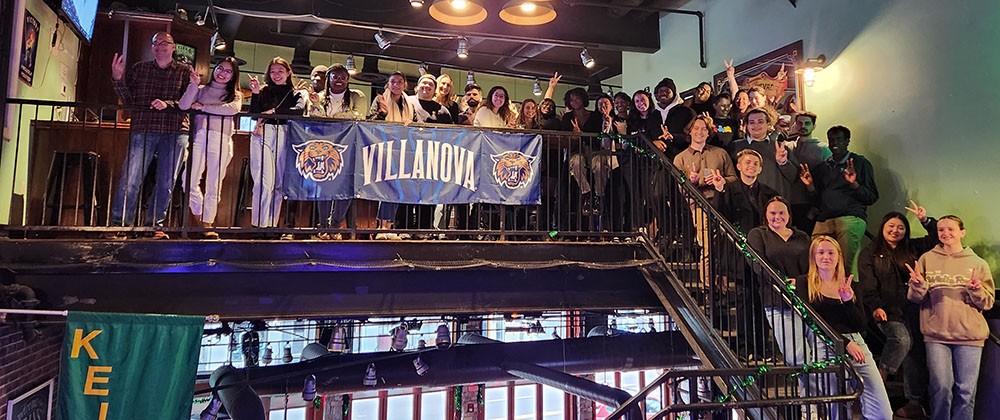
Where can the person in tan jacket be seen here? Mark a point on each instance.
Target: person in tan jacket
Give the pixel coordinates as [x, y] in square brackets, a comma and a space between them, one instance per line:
[953, 287]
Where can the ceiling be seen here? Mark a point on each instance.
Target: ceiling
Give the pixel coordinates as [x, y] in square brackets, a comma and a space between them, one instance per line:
[495, 46]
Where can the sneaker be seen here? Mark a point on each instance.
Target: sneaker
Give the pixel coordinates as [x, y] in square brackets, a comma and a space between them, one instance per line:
[322, 236]
[113, 236]
[158, 235]
[286, 237]
[387, 236]
[404, 236]
[211, 235]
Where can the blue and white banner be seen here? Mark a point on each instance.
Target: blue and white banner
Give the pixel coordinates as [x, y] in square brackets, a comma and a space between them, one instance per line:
[415, 165]
[319, 161]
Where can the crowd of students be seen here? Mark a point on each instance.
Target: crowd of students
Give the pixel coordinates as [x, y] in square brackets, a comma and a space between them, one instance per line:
[802, 201]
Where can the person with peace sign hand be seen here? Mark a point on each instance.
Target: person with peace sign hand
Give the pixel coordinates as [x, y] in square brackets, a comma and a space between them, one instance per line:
[953, 286]
[884, 280]
[830, 292]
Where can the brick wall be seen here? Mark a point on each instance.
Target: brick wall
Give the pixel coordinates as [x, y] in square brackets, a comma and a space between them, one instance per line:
[24, 366]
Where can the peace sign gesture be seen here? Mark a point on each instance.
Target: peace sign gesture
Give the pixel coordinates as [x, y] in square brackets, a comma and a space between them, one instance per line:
[804, 175]
[918, 210]
[717, 180]
[850, 175]
[254, 84]
[576, 125]
[730, 70]
[782, 74]
[118, 66]
[665, 133]
[845, 290]
[975, 282]
[916, 278]
[780, 152]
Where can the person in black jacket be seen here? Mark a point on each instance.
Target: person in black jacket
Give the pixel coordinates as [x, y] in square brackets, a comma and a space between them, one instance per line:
[884, 278]
[742, 201]
[674, 117]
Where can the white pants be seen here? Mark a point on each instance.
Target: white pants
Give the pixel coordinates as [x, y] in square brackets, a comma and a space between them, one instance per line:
[267, 167]
[600, 165]
[213, 150]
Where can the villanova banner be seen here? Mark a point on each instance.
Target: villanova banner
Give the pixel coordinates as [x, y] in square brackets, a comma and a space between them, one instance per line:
[319, 164]
[414, 165]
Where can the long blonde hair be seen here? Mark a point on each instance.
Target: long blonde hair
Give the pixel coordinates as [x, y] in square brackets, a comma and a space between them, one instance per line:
[813, 280]
[450, 98]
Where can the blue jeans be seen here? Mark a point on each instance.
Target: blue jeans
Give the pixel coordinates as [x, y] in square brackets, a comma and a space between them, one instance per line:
[169, 148]
[897, 345]
[954, 371]
[874, 398]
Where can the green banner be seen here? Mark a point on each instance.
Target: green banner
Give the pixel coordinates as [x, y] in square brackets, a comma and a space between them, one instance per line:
[128, 366]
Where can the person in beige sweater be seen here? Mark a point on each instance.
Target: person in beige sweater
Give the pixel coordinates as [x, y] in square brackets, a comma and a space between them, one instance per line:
[953, 287]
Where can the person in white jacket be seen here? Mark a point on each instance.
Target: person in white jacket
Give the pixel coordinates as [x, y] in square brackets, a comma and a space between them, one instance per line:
[212, 149]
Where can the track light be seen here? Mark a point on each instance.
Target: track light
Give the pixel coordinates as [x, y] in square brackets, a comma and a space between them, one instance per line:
[417, 3]
[421, 344]
[399, 338]
[309, 389]
[382, 40]
[536, 328]
[218, 42]
[471, 80]
[422, 69]
[268, 355]
[443, 339]
[352, 69]
[370, 377]
[463, 47]
[652, 326]
[587, 60]
[420, 366]
[287, 355]
[536, 88]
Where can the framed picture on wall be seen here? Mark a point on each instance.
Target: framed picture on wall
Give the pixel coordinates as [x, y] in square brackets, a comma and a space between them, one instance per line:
[774, 72]
[185, 54]
[33, 405]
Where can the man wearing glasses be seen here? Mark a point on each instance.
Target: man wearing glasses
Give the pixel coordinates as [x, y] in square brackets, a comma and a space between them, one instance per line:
[158, 130]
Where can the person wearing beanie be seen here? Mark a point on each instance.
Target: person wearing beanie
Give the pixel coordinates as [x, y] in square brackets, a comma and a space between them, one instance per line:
[318, 78]
[674, 116]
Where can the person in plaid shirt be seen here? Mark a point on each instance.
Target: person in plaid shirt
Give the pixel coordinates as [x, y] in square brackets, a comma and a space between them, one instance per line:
[162, 131]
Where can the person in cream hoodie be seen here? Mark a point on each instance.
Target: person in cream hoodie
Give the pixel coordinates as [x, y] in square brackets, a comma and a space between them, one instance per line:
[953, 287]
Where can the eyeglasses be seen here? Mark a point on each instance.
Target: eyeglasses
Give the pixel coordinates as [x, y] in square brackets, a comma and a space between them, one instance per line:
[223, 70]
[339, 76]
[162, 43]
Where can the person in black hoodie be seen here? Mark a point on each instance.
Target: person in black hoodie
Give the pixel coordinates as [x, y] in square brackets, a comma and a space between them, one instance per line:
[884, 277]
[267, 144]
[674, 116]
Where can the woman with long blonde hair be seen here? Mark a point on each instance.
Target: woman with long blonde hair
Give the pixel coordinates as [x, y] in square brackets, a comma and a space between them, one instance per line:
[829, 292]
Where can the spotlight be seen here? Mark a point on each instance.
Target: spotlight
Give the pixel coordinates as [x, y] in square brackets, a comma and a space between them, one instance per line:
[399, 338]
[652, 326]
[250, 347]
[420, 366]
[443, 339]
[536, 88]
[587, 60]
[382, 41]
[417, 3]
[810, 67]
[555, 336]
[528, 12]
[287, 355]
[370, 378]
[268, 355]
[338, 342]
[422, 69]
[536, 328]
[309, 389]
[463, 47]
[218, 42]
[352, 69]
[421, 344]
[471, 80]
[458, 12]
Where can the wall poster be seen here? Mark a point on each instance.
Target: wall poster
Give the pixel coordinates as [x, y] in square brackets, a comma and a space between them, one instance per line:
[29, 48]
[33, 405]
[771, 72]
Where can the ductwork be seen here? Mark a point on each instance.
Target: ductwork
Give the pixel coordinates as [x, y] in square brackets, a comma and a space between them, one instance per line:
[239, 399]
[479, 363]
[300, 59]
[571, 384]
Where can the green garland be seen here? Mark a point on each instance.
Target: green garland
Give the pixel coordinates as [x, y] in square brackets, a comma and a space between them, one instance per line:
[347, 404]
[639, 149]
[480, 397]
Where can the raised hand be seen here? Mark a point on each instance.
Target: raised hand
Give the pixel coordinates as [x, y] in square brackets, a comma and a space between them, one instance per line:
[665, 133]
[804, 175]
[880, 315]
[730, 70]
[576, 125]
[845, 290]
[851, 175]
[917, 210]
[118, 67]
[975, 283]
[659, 144]
[782, 73]
[855, 351]
[158, 104]
[195, 79]
[314, 98]
[254, 84]
[554, 80]
[717, 180]
[780, 152]
[621, 127]
[693, 174]
[916, 278]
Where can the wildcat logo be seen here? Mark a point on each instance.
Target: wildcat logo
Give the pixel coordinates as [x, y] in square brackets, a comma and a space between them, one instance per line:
[319, 160]
[512, 169]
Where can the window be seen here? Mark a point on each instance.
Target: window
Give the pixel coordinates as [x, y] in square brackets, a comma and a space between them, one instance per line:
[496, 403]
[290, 414]
[433, 405]
[364, 409]
[553, 403]
[400, 407]
[524, 402]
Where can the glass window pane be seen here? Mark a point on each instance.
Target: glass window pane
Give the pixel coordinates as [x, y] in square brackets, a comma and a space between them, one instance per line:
[524, 402]
[433, 405]
[496, 403]
[366, 409]
[553, 407]
[630, 382]
[400, 407]
[293, 414]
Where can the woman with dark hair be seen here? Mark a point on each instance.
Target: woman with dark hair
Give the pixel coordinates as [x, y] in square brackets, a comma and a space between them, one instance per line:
[267, 145]
[579, 119]
[882, 268]
[528, 117]
[212, 148]
[495, 110]
[953, 286]
[548, 116]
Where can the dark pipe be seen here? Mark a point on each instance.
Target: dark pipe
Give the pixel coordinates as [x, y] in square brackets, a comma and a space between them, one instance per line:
[575, 385]
[241, 402]
[477, 363]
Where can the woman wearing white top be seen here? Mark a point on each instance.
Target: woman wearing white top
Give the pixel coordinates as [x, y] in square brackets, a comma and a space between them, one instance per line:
[495, 111]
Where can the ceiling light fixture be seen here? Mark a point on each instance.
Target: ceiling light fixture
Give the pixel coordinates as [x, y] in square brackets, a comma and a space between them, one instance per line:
[417, 3]
[338, 342]
[458, 12]
[463, 47]
[309, 389]
[399, 338]
[471, 79]
[371, 379]
[218, 42]
[536, 88]
[809, 68]
[586, 59]
[287, 355]
[443, 337]
[382, 40]
[352, 68]
[420, 366]
[528, 13]
[422, 69]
